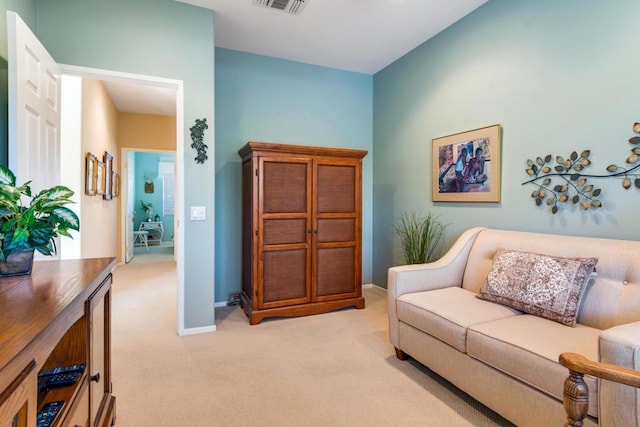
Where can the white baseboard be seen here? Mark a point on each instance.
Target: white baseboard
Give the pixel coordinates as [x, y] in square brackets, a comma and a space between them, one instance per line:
[196, 331]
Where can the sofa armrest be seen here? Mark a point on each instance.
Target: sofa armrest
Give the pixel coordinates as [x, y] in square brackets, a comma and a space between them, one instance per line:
[443, 273]
[620, 346]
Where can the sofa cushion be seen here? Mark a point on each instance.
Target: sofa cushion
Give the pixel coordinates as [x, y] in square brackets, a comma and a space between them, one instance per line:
[527, 348]
[547, 286]
[446, 313]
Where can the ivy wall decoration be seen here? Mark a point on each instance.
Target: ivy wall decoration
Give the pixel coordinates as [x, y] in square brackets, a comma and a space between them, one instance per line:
[197, 136]
[566, 182]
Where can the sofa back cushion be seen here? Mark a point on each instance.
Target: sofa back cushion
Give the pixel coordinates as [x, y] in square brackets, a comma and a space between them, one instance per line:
[611, 298]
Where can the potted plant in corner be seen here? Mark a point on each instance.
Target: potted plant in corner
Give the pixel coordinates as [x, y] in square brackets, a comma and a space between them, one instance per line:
[419, 237]
[25, 228]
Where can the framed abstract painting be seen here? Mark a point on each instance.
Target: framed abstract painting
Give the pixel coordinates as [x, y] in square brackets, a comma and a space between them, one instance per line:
[466, 166]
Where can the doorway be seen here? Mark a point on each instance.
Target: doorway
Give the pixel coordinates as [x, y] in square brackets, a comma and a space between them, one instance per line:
[176, 87]
[150, 209]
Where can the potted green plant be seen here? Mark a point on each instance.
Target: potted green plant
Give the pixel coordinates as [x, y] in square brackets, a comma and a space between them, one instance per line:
[147, 208]
[28, 225]
[419, 237]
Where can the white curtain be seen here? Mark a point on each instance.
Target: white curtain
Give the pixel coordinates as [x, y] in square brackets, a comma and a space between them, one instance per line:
[165, 170]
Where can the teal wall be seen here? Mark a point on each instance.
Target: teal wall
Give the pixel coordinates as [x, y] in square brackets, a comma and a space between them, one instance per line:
[147, 163]
[161, 38]
[265, 99]
[557, 75]
[27, 11]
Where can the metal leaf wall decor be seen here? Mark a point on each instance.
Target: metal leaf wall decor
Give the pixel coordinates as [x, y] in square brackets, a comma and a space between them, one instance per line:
[559, 181]
[197, 136]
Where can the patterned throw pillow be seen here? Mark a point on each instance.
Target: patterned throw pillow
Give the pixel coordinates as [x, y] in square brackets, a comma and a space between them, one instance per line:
[546, 286]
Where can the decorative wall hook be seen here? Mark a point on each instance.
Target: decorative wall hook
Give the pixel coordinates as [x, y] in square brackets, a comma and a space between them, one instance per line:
[565, 181]
[197, 136]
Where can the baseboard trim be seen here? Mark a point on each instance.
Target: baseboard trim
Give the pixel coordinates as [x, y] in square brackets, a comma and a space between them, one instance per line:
[374, 287]
[364, 286]
[196, 331]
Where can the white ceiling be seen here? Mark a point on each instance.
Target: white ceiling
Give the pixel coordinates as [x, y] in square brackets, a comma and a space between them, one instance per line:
[139, 98]
[354, 35]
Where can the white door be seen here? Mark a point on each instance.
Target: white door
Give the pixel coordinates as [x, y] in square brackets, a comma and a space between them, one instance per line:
[34, 108]
[130, 209]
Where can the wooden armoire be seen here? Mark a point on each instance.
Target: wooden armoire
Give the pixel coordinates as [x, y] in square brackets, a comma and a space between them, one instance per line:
[301, 229]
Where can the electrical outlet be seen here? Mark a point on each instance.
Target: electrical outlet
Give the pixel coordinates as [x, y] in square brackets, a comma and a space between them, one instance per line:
[234, 299]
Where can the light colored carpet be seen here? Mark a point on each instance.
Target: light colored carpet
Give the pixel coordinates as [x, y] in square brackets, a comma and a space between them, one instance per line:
[334, 369]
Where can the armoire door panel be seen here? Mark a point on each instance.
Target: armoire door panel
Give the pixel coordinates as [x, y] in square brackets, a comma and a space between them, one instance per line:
[336, 230]
[336, 271]
[285, 231]
[285, 187]
[285, 277]
[336, 188]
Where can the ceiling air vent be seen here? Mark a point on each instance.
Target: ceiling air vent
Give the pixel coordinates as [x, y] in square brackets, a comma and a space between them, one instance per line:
[293, 7]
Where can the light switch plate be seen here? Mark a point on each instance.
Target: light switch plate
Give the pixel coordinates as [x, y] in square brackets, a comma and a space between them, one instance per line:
[198, 213]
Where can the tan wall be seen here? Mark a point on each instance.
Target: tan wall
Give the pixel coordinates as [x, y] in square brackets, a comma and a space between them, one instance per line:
[147, 131]
[100, 221]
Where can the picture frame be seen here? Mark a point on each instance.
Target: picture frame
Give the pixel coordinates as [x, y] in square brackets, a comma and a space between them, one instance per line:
[115, 178]
[100, 178]
[466, 166]
[108, 171]
[90, 175]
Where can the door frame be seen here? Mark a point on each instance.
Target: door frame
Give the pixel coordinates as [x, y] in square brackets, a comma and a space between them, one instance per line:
[178, 85]
[124, 154]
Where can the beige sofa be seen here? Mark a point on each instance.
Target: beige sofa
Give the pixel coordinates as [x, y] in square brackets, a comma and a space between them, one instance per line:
[507, 359]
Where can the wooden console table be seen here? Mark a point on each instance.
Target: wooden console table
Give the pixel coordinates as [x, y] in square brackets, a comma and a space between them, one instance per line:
[60, 315]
